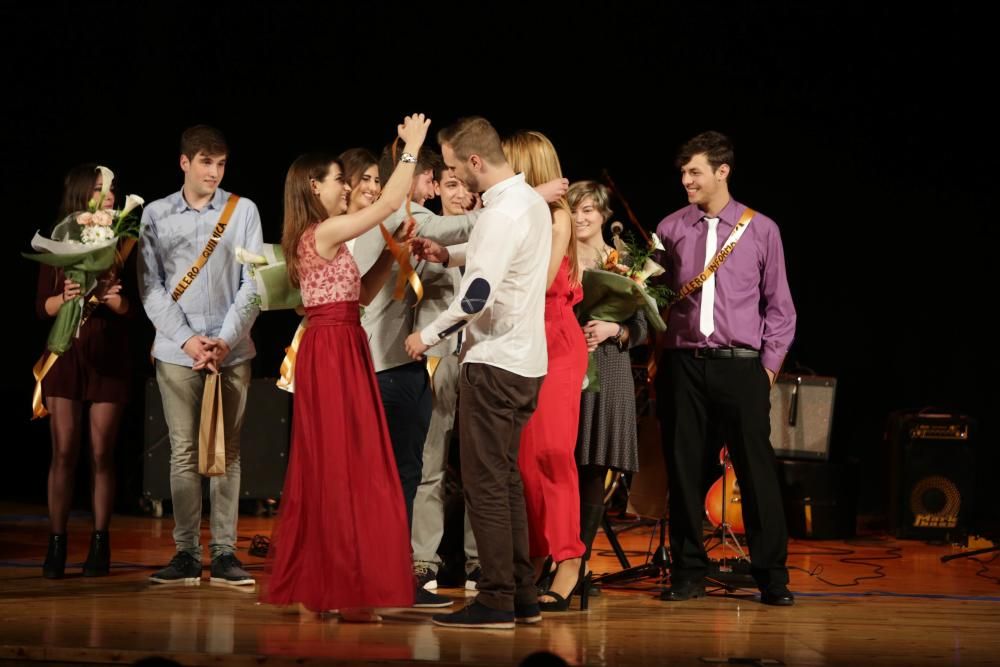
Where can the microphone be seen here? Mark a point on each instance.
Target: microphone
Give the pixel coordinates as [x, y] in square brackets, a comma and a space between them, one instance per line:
[793, 410]
[617, 227]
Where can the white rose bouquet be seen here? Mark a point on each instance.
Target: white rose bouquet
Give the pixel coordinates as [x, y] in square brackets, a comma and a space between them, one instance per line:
[88, 246]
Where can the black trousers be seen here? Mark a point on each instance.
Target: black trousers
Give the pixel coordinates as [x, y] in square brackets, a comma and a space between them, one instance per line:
[698, 400]
[493, 407]
[406, 397]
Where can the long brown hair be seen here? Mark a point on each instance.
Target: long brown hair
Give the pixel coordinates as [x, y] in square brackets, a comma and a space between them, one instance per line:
[355, 162]
[532, 154]
[78, 188]
[302, 206]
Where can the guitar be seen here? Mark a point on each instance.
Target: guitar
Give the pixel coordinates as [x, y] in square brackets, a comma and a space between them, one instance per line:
[726, 490]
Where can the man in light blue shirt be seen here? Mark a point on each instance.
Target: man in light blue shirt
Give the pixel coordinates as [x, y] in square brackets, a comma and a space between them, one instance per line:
[201, 302]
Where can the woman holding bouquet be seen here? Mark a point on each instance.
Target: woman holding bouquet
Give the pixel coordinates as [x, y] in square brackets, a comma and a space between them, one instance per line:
[608, 436]
[343, 541]
[551, 494]
[94, 372]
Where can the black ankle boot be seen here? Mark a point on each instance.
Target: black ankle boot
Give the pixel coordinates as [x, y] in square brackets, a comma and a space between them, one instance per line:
[98, 563]
[55, 558]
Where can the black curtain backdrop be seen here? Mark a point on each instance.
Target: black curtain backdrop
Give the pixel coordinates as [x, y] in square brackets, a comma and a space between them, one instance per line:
[862, 131]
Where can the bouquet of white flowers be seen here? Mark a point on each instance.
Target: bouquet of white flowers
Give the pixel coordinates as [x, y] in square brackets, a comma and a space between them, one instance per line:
[87, 246]
[270, 275]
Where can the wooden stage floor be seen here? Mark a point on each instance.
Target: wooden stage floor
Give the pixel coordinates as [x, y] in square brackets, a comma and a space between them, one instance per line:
[920, 612]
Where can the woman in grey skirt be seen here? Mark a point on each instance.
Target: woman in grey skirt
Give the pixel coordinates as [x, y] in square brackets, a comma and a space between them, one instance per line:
[607, 437]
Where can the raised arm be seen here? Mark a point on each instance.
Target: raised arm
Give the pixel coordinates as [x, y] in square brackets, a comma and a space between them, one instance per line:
[340, 228]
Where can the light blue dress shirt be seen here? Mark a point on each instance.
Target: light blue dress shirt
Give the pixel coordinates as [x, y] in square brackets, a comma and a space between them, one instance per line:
[220, 302]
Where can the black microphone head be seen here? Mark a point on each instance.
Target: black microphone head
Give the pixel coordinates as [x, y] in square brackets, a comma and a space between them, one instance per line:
[617, 228]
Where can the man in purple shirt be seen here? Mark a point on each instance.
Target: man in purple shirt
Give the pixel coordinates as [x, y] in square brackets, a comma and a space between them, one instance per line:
[724, 346]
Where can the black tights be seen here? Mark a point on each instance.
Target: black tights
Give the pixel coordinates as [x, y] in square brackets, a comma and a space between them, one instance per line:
[592, 484]
[66, 417]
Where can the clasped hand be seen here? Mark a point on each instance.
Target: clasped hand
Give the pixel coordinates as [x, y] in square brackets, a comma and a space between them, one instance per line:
[208, 353]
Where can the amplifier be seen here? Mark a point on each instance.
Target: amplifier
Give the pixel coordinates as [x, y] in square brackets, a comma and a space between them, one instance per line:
[802, 416]
[932, 478]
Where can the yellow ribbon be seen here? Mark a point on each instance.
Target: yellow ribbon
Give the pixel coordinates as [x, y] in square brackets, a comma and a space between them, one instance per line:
[432, 365]
[287, 372]
[406, 272]
[402, 253]
[44, 363]
[40, 370]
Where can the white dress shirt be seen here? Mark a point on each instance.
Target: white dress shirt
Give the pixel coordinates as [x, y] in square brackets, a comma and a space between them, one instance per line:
[501, 302]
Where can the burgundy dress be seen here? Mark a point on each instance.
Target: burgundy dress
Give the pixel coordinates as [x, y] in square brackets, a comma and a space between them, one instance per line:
[98, 365]
[548, 441]
[342, 538]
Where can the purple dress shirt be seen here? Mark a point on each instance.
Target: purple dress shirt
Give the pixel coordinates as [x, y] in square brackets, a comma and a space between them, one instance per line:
[753, 305]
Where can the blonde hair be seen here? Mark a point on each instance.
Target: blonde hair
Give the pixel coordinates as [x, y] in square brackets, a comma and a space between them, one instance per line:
[532, 154]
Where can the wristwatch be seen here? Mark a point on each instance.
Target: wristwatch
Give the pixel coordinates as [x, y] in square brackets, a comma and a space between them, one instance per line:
[617, 338]
[408, 158]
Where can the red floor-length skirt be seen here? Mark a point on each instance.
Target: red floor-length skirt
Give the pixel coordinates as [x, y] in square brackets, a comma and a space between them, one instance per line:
[342, 538]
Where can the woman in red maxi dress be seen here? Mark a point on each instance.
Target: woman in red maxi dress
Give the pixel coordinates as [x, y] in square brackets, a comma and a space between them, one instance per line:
[342, 540]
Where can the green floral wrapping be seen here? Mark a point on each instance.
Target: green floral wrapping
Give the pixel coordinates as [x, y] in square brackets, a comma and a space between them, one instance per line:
[80, 267]
[611, 297]
[270, 275]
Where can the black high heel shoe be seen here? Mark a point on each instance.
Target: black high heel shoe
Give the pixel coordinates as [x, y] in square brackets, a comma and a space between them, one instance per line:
[545, 578]
[98, 563]
[582, 587]
[54, 566]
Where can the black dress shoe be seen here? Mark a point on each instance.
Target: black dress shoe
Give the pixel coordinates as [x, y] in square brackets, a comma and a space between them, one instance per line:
[683, 590]
[778, 596]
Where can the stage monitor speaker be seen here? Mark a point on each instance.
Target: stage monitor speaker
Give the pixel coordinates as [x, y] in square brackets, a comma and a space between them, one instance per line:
[820, 499]
[263, 446]
[648, 491]
[932, 477]
[802, 415]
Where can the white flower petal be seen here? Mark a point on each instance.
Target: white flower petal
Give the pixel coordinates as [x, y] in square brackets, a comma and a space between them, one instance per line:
[107, 178]
[131, 201]
[244, 256]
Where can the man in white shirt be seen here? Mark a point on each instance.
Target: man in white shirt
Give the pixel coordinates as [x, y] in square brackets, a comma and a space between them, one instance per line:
[501, 309]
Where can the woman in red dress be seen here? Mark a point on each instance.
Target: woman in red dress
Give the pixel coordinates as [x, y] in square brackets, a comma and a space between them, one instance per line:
[342, 541]
[548, 441]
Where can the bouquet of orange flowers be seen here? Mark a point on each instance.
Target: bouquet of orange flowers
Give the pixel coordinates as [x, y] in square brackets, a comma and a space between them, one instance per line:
[620, 288]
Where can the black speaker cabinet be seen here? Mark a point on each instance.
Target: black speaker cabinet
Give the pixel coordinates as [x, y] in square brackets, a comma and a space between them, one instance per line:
[802, 415]
[932, 475]
[820, 499]
[263, 447]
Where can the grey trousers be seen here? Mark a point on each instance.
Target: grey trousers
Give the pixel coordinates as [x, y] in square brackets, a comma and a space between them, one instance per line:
[181, 391]
[428, 506]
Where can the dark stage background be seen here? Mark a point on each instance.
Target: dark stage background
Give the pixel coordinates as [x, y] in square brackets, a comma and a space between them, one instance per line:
[863, 132]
